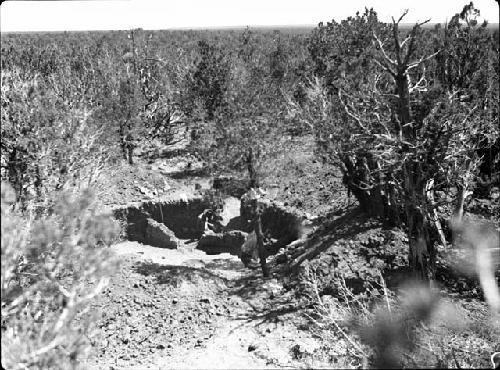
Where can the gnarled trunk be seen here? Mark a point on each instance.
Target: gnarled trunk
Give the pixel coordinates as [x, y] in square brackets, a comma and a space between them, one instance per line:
[422, 253]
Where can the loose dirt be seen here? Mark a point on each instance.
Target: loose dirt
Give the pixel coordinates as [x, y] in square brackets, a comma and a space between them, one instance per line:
[185, 309]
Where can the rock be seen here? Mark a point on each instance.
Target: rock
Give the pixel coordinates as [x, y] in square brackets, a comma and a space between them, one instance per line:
[227, 242]
[158, 235]
[249, 248]
[304, 347]
[273, 287]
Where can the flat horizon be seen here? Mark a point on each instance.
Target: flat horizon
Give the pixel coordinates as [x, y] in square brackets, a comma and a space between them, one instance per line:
[219, 28]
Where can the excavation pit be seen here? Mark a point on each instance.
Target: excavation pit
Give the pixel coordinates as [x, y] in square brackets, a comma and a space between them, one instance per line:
[161, 224]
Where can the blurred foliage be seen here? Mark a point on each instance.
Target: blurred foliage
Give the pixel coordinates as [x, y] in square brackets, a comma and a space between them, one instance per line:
[52, 268]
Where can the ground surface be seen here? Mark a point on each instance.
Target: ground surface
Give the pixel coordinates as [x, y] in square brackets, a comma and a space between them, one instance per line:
[184, 309]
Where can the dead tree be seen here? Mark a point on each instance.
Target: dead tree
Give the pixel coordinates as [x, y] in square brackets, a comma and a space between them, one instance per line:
[415, 187]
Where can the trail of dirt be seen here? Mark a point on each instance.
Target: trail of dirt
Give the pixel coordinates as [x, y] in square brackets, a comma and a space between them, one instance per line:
[185, 309]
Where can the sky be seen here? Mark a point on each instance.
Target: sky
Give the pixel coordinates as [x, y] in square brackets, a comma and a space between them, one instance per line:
[168, 14]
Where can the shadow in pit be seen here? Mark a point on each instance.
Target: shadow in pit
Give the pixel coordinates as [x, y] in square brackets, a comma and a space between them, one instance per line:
[189, 172]
[225, 264]
[172, 275]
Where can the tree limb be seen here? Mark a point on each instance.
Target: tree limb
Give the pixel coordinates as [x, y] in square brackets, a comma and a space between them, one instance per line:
[381, 46]
[423, 59]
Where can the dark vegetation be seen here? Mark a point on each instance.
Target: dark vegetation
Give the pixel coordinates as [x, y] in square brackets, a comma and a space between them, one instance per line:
[403, 119]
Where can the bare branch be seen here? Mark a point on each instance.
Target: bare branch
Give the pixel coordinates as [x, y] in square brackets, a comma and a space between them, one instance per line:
[423, 59]
[156, 60]
[421, 84]
[383, 124]
[400, 18]
[386, 68]
[422, 23]
[405, 41]
[354, 117]
[381, 46]
[390, 95]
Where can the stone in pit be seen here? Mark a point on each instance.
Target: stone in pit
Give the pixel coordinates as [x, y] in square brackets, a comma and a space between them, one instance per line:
[227, 242]
[158, 235]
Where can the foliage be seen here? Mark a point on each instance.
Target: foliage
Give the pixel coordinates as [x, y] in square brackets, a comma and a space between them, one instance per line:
[52, 268]
[394, 131]
[48, 141]
[209, 79]
[247, 130]
[139, 87]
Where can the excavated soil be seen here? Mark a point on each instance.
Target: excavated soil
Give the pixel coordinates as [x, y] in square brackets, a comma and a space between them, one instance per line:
[184, 309]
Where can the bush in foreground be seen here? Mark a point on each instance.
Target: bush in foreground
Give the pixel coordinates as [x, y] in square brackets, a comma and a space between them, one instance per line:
[51, 270]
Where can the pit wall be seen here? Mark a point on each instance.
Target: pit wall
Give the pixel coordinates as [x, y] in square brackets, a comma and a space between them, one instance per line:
[281, 222]
[179, 216]
[160, 223]
[285, 224]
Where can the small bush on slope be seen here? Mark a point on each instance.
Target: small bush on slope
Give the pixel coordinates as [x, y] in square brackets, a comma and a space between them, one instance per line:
[51, 269]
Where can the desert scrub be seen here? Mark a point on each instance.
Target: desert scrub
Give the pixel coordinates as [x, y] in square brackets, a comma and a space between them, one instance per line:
[52, 268]
[414, 326]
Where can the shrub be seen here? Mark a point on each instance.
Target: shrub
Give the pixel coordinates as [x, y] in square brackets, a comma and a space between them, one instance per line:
[395, 130]
[51, 270]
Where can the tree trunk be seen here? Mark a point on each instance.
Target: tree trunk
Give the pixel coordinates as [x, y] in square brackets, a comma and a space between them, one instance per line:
[422, 253]
[129, 144]
[403, 92]
[123, 142]
[458, 211]
[260, 239]
[429, 188]
[13, 172]
[130, 150]
[38, 181]
[254, 181]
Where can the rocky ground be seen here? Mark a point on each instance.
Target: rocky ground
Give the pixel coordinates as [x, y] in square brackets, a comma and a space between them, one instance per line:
[184, 309]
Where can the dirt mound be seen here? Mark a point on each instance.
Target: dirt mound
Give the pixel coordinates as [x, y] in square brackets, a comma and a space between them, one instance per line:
[184, 309]
[351, 249]
[152, 309]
